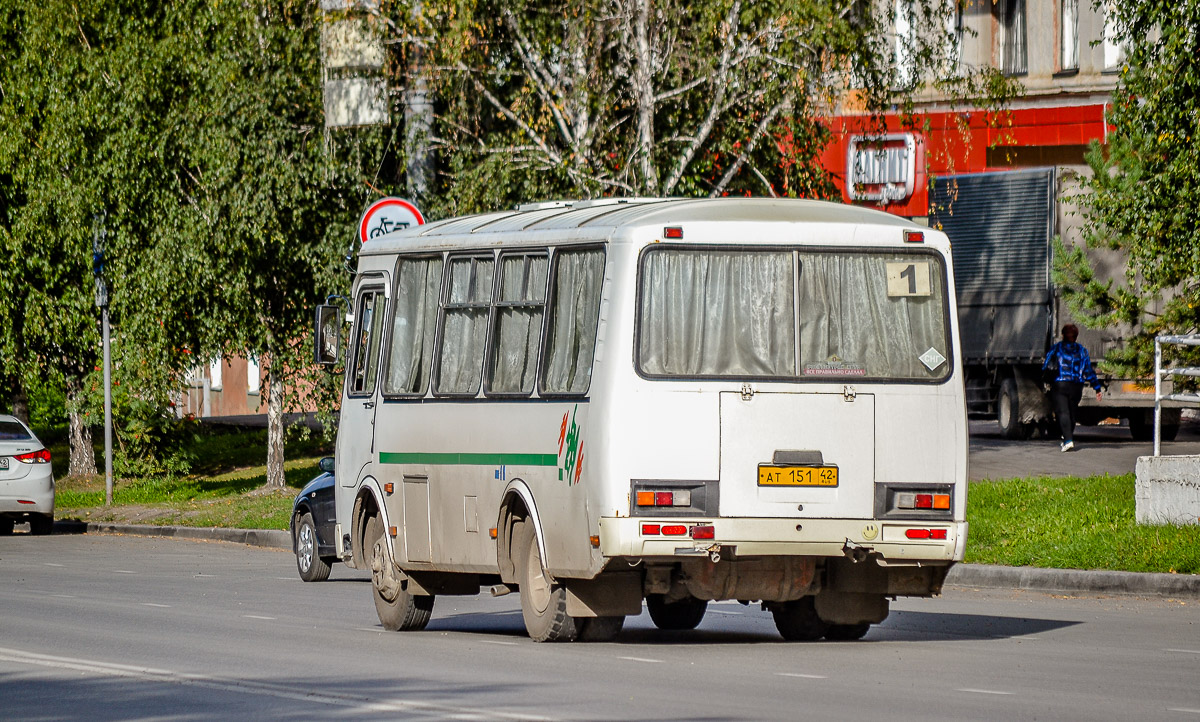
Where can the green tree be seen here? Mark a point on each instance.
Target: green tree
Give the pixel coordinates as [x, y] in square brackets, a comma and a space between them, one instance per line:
[657, 97]
[1145, 187]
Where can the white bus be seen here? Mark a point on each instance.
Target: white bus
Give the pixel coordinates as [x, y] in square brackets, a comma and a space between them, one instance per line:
[603, 402]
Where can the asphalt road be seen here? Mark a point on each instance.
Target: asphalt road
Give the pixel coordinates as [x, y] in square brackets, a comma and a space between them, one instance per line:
[119, 628]
[1099, 450]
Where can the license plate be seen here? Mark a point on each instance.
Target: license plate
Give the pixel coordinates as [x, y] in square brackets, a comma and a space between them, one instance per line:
[769, 475]
[3, 462]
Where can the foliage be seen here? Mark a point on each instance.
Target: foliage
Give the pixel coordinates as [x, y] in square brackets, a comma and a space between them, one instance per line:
[633, 97]
[196, 127]
[1073, 523]
[1145, 187]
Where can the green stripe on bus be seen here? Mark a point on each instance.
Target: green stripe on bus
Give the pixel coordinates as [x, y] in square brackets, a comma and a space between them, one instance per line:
[415, 457]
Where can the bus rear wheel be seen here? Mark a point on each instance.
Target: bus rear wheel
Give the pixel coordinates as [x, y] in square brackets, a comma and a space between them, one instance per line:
[543, 603]
[398, 610]
[684, 614]
[846, 632]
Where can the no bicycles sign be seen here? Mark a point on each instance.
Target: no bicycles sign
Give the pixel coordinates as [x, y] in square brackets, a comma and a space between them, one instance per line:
[386, 215]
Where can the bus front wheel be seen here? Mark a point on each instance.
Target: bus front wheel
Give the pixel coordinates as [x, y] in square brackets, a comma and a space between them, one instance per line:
[797, 620]
[398, 610]
[684, 614]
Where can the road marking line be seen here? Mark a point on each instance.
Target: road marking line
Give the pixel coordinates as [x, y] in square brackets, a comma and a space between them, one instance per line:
[268, 689]
[255, 616]
[1183, 651]
[123, 571]
[1184, 709]
[801, 676]
[642, 659]
[152, 604]
[53, 565]
[63, 596]
[496, 641]
[981, 691]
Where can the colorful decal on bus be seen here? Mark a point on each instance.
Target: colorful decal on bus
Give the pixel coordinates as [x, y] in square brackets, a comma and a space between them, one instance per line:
[570, 449]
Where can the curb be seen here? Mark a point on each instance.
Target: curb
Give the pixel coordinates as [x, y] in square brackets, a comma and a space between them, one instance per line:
[1074, 580]
[268, 538]
[962, 575]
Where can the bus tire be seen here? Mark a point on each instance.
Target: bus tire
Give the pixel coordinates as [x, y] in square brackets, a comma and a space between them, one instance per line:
[846, 632]
[1141, 425]
[398, 611]
[599, 629]
[41, 524]
[684, 614]
[543, 603]
[311, 566]
[797, 620]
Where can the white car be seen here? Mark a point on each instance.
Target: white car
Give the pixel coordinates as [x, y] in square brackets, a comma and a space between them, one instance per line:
[26, 479]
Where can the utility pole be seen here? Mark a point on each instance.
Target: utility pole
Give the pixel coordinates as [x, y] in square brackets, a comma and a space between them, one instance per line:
[99, 235]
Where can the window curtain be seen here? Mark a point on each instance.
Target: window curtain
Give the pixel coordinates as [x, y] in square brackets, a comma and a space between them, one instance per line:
[519, 323]
[575, 311]
[417, 286]
[1069, 43]
[849, 323]
[464, 329]
[1014, 60]
[717, 313]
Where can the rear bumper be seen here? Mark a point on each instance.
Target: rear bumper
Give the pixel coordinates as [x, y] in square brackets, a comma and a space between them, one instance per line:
[32, 493]
[888, 540]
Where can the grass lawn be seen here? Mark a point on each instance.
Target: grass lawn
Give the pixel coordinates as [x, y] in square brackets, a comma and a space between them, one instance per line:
[1073, 523]
[223, 490]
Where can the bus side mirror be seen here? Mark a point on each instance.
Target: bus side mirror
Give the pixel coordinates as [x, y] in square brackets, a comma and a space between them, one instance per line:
[327, 338]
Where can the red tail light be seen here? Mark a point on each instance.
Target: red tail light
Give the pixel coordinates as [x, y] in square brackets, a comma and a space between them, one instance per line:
[674, 530]
[704, 532]
[42, 456]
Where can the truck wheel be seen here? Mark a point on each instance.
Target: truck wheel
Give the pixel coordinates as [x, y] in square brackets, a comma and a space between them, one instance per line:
[683, 614]
[398, 610]
[543, 603]
[312, 567]
[1008, 412]
[797, 621]
[1141, 425]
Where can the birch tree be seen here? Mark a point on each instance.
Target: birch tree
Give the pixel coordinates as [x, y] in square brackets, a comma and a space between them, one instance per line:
[658, 97]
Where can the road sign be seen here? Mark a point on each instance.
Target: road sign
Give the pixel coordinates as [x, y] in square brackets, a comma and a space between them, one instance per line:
[386, 215]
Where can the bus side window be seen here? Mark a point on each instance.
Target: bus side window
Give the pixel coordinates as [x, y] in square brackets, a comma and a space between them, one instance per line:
[369, 328]
[518, 323]
[410, 355]
[464, 325]
[574, 313]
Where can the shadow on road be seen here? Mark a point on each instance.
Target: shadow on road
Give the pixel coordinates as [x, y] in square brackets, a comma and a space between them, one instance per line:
[932, 626]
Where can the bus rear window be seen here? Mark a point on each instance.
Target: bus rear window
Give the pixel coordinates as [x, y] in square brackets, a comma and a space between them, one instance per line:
[802, 314]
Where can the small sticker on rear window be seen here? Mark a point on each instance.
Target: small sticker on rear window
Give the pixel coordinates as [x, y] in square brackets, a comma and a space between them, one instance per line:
[932, 359]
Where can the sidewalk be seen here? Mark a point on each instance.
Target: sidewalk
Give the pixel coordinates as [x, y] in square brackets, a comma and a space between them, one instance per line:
[962, 575]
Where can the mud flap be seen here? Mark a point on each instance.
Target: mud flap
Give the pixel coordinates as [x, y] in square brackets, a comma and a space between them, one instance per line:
[608, 595]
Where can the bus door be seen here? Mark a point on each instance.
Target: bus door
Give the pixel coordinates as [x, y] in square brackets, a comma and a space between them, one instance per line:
[356, 442]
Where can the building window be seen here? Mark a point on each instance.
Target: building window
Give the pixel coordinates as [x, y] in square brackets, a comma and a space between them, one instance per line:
[904, 44]
[1068, 35]
[1013, 60]
[214, 374]
[253, 376]
[1114, 54]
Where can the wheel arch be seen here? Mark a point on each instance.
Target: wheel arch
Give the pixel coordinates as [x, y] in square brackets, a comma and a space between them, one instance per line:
[516, 501]
[367, 500]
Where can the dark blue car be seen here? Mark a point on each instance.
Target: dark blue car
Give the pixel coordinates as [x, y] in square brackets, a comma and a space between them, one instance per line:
[312, 525]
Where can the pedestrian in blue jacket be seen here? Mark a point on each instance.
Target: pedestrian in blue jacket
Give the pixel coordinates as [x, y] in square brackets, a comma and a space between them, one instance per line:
[1074, 370]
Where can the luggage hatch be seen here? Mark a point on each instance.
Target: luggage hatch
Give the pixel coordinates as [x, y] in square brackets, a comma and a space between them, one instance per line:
[812, 433]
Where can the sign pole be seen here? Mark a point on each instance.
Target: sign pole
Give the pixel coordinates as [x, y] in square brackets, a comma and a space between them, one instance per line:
[108, 460]
[98, 237]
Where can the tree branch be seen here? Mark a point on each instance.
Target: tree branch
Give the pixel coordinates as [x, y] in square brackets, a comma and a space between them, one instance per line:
[759, 131]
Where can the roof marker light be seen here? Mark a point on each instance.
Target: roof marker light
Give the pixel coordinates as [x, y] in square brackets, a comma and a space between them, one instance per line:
[914, 236]
[673, 233]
